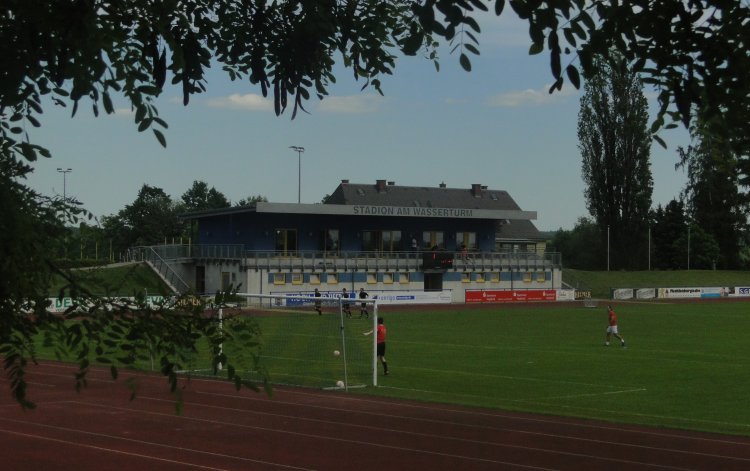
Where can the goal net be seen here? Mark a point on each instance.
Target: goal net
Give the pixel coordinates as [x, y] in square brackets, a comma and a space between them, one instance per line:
[302, 340]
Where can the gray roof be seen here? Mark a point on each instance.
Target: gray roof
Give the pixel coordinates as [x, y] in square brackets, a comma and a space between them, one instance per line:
[389, 194]
[384, 193]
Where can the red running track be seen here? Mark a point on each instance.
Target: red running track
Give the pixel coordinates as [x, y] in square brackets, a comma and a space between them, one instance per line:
[296, 429]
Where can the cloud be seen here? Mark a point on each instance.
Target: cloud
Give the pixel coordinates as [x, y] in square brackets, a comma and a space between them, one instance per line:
[353, 104]
[530, 97]
[250, 102]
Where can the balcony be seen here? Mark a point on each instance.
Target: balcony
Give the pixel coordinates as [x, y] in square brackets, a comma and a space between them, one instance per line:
[312, 261]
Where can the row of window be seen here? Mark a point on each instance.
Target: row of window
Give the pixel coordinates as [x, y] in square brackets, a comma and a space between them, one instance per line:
[333, 278]
[402, 278]
[377, 241]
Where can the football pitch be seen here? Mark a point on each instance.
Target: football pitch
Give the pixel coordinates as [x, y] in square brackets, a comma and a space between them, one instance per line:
[686, 365]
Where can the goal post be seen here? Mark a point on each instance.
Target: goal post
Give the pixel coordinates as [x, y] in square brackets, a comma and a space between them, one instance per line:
[304, 340]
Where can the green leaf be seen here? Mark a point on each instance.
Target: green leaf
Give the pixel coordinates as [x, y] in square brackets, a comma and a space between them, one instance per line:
[107, 102]
[573, 76]
[472, 49]
[144, 124]
[536, 48]
[412, 44]
[465, 62]
[660, 141]
[499, 6]
[160, 137]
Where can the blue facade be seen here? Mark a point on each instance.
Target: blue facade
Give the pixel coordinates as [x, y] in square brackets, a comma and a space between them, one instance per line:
[257, 231]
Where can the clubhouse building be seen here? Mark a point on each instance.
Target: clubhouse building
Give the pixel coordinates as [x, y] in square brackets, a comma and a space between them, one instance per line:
[434, 244]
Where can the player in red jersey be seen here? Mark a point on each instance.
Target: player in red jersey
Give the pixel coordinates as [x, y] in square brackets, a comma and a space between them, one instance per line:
[612, 327]
[380, 341]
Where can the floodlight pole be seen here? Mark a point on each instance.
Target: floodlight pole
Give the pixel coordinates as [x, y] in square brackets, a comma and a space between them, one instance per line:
[65, 172]
[688, 254]
[299, 150]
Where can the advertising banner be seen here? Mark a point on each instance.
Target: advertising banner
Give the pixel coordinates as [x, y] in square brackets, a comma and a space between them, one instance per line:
[510, 296]
[622, 293]
[679, 292]
[566, 295]
[645, 293]
[383, 297]
[59, 305]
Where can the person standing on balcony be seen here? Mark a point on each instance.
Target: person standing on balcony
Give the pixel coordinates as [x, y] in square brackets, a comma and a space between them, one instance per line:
[363, 308]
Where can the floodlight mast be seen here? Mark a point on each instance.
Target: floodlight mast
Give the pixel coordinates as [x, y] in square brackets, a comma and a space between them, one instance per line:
[65, 172]
[299, 150]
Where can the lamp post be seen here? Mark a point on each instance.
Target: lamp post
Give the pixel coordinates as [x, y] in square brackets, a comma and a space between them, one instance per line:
[299, 150]
[65, 172]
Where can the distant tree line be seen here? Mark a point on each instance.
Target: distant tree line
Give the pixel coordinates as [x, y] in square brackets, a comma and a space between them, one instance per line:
[704, 228]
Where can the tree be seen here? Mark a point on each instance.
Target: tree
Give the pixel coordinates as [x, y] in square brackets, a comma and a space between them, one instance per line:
[581, 248]
[151, 218]
[669, 227]
[199, 197]
[251, 200]
[615, 147]
[712, 192]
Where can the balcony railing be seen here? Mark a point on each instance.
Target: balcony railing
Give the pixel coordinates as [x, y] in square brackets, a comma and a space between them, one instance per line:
[303, 260]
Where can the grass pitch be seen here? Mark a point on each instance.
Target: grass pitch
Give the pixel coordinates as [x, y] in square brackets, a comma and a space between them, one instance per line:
[685, 365]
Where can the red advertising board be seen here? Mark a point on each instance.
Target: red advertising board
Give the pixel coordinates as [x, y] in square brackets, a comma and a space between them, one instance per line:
[510, 296]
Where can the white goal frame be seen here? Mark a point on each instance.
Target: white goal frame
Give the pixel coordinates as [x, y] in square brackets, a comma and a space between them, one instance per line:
[337, 301]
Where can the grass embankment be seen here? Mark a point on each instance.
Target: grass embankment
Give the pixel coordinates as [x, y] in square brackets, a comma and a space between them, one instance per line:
[117, 280]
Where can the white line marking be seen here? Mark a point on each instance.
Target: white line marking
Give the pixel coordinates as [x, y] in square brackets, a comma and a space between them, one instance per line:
[288, 432]
[500, 429]
[109, 450]
[527, 416]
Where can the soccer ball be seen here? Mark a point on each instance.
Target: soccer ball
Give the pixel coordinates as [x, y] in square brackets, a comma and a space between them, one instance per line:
[336, 353]
[339, 384]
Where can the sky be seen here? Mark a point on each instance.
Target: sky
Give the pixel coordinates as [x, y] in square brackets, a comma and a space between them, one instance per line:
[496, 126]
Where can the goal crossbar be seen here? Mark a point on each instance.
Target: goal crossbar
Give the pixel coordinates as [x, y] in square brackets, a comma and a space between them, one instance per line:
[301, 334]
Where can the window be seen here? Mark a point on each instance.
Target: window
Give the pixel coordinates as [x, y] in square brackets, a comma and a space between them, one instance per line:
[381, 241]
[466, 239]
[297, 278]
[479, 277]
[403, 278]
[465, 277]
[372, 278]
[541, 277]
[391, 241]
[332, 278]
[527, 277]
[279, 278]
[314, 278]
[286, 241]
[329, 242]
[388, 278]
[225, 280]
[495, 277]
[432, 239]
